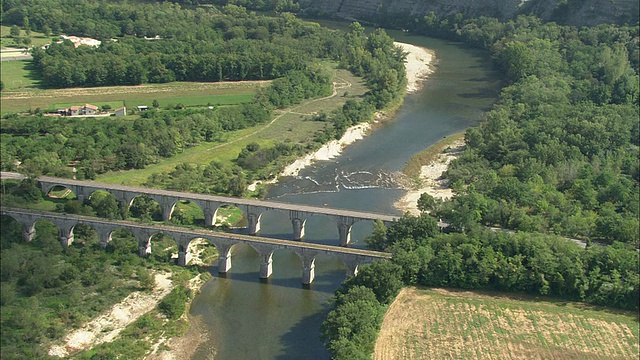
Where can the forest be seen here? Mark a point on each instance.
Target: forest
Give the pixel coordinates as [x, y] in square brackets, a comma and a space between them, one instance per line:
[557, 154]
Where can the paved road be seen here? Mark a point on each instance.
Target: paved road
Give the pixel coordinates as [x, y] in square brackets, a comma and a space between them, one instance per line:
[215, 198]
[197, 233]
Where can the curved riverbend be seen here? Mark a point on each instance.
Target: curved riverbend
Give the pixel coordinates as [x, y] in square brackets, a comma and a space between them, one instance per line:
[249, 319]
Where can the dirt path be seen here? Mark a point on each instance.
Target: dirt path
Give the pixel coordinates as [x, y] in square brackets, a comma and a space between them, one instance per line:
[343, 85]
[106, 327]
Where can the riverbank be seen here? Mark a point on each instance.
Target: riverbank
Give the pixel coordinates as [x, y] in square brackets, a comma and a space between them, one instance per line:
[108, 326]
[418, 64]
[426, 169]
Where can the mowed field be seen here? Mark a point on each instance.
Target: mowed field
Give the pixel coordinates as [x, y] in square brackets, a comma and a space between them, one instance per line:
[187, 93]
[450, 324]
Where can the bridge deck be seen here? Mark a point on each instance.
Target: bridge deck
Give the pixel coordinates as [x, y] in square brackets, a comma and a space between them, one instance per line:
[197, 233]
[215, 198]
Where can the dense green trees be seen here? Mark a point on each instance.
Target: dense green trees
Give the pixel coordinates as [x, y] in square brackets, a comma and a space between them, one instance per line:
[522, 262]
[163, 42]
[46, 146]
[558, 152]
[46, 289]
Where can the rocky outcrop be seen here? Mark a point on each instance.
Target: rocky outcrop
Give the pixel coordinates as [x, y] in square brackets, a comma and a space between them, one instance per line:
[570, 12]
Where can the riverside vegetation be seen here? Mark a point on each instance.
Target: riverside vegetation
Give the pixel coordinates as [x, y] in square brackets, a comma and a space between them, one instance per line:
[286, 50]
[558, 154]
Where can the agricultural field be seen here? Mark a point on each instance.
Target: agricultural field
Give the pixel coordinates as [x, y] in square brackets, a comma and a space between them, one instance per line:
[451, 324]
[281, 128]
[23, 98]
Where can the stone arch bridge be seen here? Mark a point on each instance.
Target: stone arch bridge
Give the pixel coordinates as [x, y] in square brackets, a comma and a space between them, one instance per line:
[223, 242]
[253, 209]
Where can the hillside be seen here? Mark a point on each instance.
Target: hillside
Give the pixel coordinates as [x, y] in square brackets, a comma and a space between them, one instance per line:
[570, 12]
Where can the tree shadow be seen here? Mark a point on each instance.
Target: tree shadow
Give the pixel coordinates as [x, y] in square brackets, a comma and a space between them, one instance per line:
[32, 73]
[302, 341]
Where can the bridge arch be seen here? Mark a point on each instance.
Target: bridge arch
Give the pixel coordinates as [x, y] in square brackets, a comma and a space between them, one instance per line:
[145, 207]
[47, 188]
[119, 237]
[277, 221]
[189, 249]
[229, 215]
[359, 231]
[186, 212]
[28, 225]
[64, 190]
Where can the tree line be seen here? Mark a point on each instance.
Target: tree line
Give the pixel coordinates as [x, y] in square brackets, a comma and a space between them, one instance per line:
[481, 259]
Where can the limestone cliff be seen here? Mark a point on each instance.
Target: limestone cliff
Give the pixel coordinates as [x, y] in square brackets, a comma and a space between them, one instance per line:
[571, 12]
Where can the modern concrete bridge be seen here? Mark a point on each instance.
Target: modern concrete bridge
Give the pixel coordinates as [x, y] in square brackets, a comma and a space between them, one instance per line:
[223, 242]
[209, 204]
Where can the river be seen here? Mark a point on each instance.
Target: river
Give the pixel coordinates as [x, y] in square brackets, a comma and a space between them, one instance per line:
[279, 318]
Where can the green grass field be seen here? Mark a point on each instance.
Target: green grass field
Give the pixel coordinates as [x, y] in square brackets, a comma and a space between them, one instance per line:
[21, 94]
[37, 38]
[189, 101]
[453, 324]
[17, 75]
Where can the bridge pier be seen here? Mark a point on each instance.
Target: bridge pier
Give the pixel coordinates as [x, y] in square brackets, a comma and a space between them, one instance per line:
[28, 235]
[167, 209]
[29, 232]
[183, 255]
[344, 233]
[351, 265]
[66, 237]
[266, 262]
[144, 248]
[298, 228]
[253, 223]
[344, 229]
[104, 236]
[209, 217]
[224, 259]
[308, 269]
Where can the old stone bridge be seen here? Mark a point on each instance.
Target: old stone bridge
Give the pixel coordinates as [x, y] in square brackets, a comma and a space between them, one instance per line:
[253, 209]
[223, 242]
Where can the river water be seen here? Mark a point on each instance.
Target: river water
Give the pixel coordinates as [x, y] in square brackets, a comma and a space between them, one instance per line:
[279, 318]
